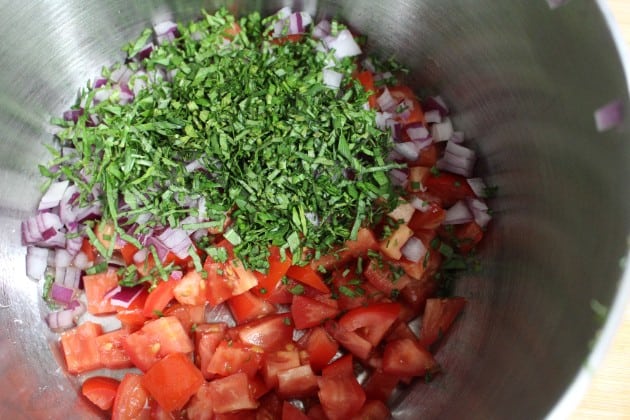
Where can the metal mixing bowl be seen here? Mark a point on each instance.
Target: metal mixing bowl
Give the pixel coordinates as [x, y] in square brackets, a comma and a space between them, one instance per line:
[523, 80]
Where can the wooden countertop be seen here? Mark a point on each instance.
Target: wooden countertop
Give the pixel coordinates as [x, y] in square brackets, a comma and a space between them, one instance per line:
[608, 396]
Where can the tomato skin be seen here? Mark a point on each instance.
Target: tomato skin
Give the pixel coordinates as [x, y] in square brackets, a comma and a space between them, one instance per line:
[218, 289]
[372, 321]
[111, 351]
[80, 348]
[366, 241]
[464, 237]
[380, 385]
[287, 39]
[405, 357]
[127, 252]
[200, 405]
[307, 276]
[96, 287]
[307, 312]
[366, 78]
[277, 270]
[350, 340]
[380, 275]
[341, 396]
[291, 412]
[430, 219]
[207, 339]
[269, 333]
[344, 366]
[439, 315]
[277, 362]
[187, 315]
[88, 249]
[231, 393]
[172, 381]
[247, 307]
[373, 410]
[159, 298]
[191, 289]
[448, 187]
[320, 346]
[101, 391]
[132, 400]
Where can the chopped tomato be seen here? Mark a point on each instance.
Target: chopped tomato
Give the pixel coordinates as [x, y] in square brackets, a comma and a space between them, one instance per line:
[191, 289]
[391, 246]
[380, 385]
[400, 330]
[405, 357]
[269, 333]
[352, 290]
[415, 270]
[373, 410]
[366, 78]
[207, 339]
[465, 237]
[242, 279]
[428, 156]
[258, 386]
[438, 317]
[386, 277]
[308, 276]
[277, 269]
[316, 412]
[231, 393]
[291, 412]
[127, 252]
[418, 291]
[131, 319]
[231, 32]
[101, 391]
[307, 312]
[320, 346]
[132, 400]
[350, 340]
[232, 357]
[188, 316]
[172, 381]
[365, 242]
[341, 396]
[277, 362]
[287, 38]
[404, 93]
[247, 306]
[155, 340]
[88, 249]
[96, 287]
[270, 407]
[431, 218]
[200, 405]
[344, 366]
[371, 322]
[218, 288]
[448, 187]
[80, 348]
[111, 352]
[159, 298]
[298, 382]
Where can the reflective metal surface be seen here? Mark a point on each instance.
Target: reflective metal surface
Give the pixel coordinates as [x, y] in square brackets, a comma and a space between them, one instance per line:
[524, 81]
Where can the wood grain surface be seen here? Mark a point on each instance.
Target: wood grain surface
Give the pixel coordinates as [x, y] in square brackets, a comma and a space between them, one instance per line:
[608, 396]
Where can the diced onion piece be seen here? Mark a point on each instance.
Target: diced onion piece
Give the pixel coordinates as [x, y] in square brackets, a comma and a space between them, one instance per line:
[417, 131]
[442, 131]
[458, 214]
[344, 45]
[460, 151]
[332, 79]
[62, 258]
[81, 261]
[408, 149]
[62, 294]
[113, 291]
[457, 137]
[36, 262]
[398, 178]
[414, 249]
[432, 117]
[478, 186]
[126, 295]
[53, 195]
[436, 103]
[420, 204]
[386, 102]
[609, 115]
[61, 320]
[382, 119]
[479, 210]
[177, 241]
[321, 30]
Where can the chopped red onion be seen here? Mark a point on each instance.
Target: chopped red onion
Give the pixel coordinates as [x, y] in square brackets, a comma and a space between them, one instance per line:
[344, 45]
[113, 291]
[145, 52]
[421, 144]
[62, 258]
[176, 275]
[460, 151]
[44, 229]
[78, 308]
[420, 204]
[408, 150]
[53, 195]
[81, 261]
[102, 95]
[140, 255]
[126, 296]
[284, 13]
[295, 23]
[436, 103]
[478, 186]
[417, 131]
[414, 249]
[442, 131]
[398, 178]
[73, 115]
[609, 116]
[382, 119]
[62, 294]
[61, 320]
[100, 82]
[432, 117]
[386, 102]
[458, 214]
[121, 74]
[321, 30]
[480, 212]
[454, 164]
[332, 79]
[396, 129]
[383, 76]
[457, 137]
[74, 244]
[36, 262]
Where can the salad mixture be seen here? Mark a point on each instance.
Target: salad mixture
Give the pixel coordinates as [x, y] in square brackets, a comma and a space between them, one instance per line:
[250, 218]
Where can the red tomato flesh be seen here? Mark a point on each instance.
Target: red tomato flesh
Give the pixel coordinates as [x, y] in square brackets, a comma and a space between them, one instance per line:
[101, 391]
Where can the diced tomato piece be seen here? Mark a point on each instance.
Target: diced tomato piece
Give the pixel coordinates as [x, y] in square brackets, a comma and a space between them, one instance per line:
[291, 412]
[316, 412]
[431, 218]
[386, 276]
[308, 276]
[415, 270]
[80, 348]
[428, 156]
[344, 366]
[155, 340]
[188, 316]
[111, 351]
[417, 174]
[373, 410]
[158, 413]
[365, 242]
[307, 312]
[380, 385]
[465, 237]
[88, 249]
[438, 317]
[131, 319]
[269, 333]
[341, 396]
[405, 357]
[400, 330]
[218, 288]
[132, 400]
[258, 387]
[371, 322]
[415, 113]
[298, 382]
[172, 381]
[101, 391]
[232, 357]
[270, 407]
[391, 246]
[320, 346]
[207, 339]
[159, 298]
[352, 290]
[200, 405]
[287, 39]
[245, 279]
[127, 252]
[231, 32]
[448, 187]
[277, 362]
[277, 270]
[231, 393]
[191, 289]
[350, 340]
[403, 212]
[96, 287]
[366, 78]
[418, 291]
[247, 306]
[282, 295]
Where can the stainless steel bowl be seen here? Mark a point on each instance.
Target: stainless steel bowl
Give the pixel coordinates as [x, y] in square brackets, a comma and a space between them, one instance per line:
[524, 81]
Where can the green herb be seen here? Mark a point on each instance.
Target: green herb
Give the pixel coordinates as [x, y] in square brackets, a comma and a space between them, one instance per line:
[98, 268]
[434, 171]
[298, 289]
[49, 279]
[490, 191]
[217, 253]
